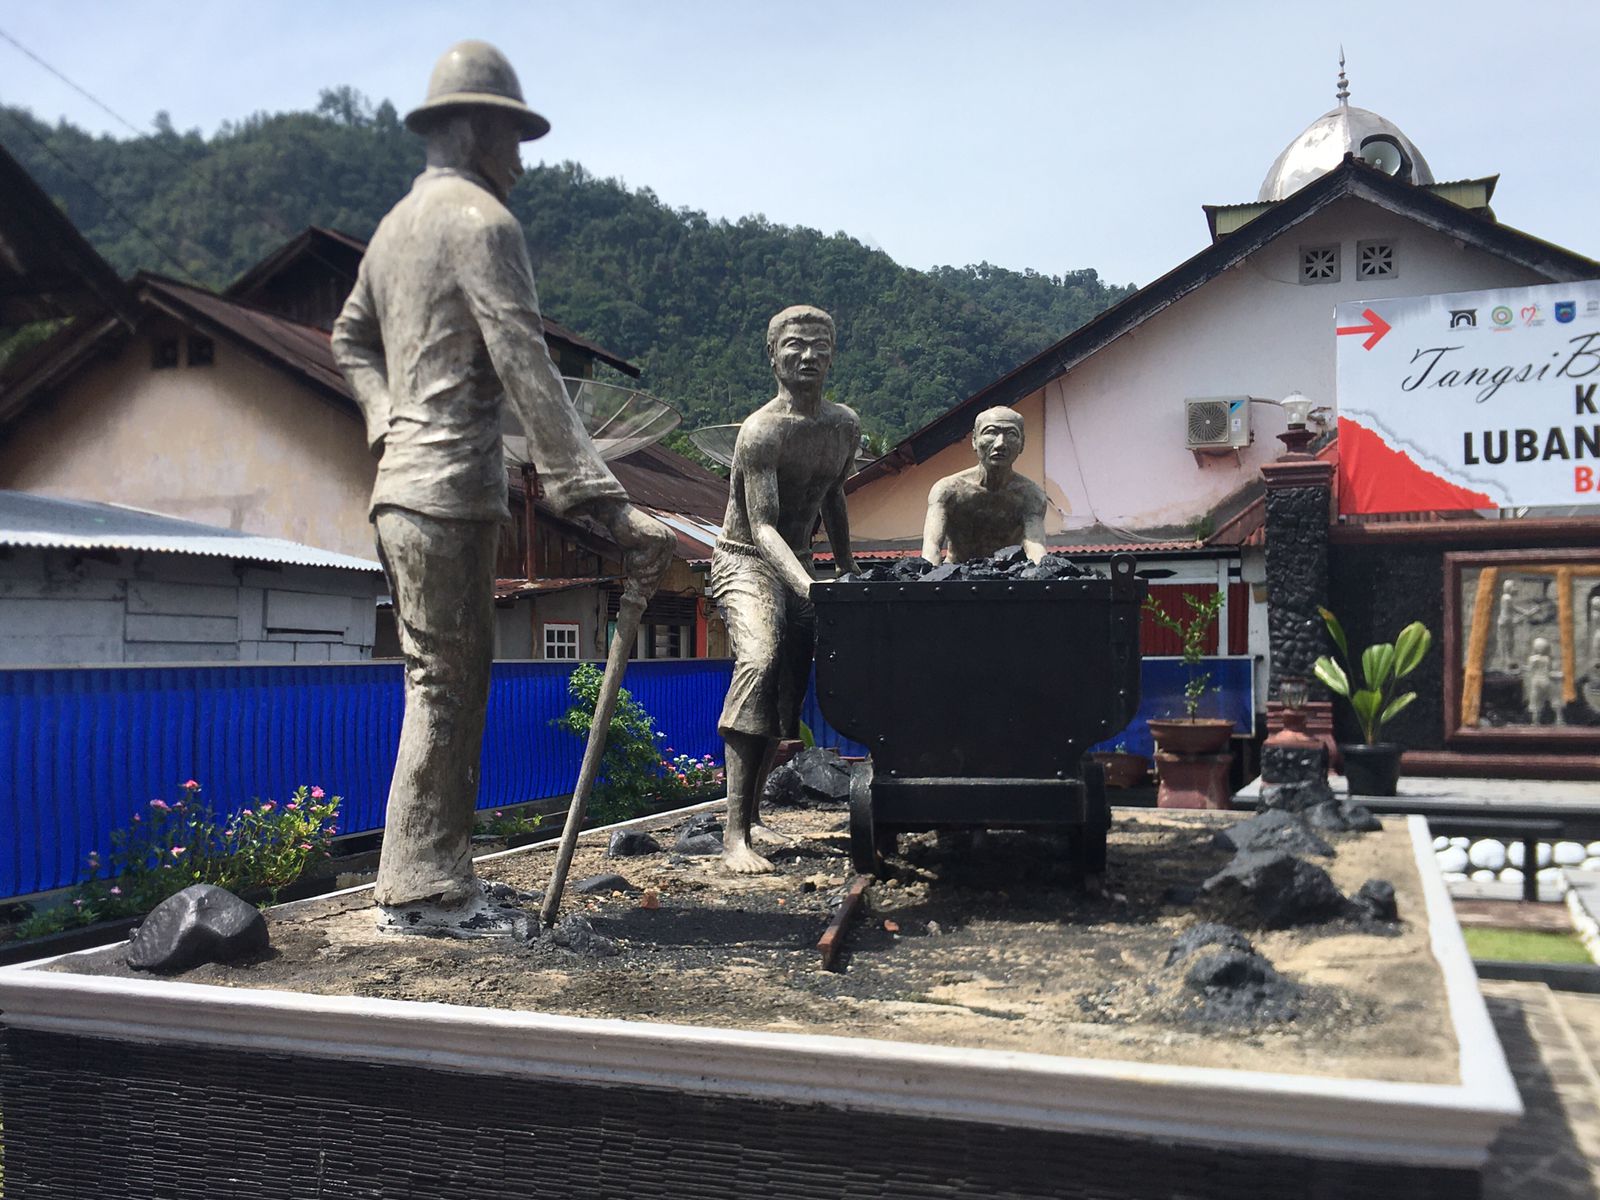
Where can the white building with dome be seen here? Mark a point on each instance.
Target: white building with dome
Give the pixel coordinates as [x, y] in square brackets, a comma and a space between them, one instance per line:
[1148, 426]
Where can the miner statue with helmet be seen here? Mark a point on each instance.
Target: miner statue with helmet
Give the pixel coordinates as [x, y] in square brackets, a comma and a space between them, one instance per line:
[441, 330]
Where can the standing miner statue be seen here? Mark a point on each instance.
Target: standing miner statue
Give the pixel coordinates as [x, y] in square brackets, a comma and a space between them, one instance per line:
[789, 468]
[442, 329]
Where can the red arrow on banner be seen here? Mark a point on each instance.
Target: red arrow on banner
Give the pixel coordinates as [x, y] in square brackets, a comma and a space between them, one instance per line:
[1377, 329]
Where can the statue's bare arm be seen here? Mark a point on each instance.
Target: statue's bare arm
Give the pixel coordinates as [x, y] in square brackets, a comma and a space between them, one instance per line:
[836, 513]
[934, 538]
[1033, 528]
[758, 464]
[358, 348]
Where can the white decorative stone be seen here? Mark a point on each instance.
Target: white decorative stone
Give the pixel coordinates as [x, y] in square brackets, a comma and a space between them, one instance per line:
[1511, 875]
[1552, 879]
[1487, 853]
[1482, 876]
[1443, 843]
[1516, 852]
[1568, 854]
[1452, 860]
[1591, 864]
[1460, 843]
[1455, 877]
[1592, 849]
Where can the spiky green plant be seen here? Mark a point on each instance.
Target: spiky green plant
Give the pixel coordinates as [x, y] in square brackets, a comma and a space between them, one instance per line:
[1383, 666]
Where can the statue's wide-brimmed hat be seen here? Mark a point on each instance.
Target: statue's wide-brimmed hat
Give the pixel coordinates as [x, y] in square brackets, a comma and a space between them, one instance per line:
[474, 75]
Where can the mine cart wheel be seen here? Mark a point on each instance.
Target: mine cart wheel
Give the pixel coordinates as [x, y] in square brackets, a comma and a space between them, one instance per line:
[864, 856]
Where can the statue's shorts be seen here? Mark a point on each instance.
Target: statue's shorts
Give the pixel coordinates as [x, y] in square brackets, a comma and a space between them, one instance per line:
[773, 632]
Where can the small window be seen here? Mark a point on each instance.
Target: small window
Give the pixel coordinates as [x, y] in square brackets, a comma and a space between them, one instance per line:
[561, 640]
[164, 353]
[202, 351]
[668, 641]
[1319, 264]
[1375, 260]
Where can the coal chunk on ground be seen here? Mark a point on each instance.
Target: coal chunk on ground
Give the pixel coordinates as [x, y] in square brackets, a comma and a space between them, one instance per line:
[201, 924]
[1240, 987]
[604, 885]
[1374, 901]
[630, 843]
[1272, 889]
[1207, 933]
[1298, 795]
[504, 893]
[700, 835]
[576, 935]
[1340, 816]
[1274, 829]
[815, 778]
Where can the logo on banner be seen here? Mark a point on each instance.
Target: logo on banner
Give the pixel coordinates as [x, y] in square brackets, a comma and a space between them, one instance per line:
[1566, 310]
[1467, 317]
[1501, 315]
[1530, 314]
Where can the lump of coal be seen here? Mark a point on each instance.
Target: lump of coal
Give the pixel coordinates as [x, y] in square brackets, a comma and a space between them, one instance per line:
[1300, 795]
[816, 778]
[1273, 829]
[1241, 987]
[1207, 933]
[573, 933]
[1340, 816]
[1008, 563]
[629, 843]
[1272, 889]
[1374, 901]
[504, 893]
[700, 835]
[200, 924]
[603, 884]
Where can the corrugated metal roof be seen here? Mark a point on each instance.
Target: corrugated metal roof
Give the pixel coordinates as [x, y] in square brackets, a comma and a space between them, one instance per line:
[516, 589]
[659, 478]
[51, 523]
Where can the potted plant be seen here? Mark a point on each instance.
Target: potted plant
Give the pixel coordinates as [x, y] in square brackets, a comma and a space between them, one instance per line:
[1191, 757]
[1123, 768]
[1373, 767]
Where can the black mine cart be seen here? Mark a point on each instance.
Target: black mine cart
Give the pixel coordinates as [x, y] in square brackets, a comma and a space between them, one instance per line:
[978, 699]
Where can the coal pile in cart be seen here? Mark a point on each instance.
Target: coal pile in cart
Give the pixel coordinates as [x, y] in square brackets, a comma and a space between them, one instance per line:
[978, 687]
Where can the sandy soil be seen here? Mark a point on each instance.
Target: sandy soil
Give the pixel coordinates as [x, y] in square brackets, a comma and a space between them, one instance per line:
[982, 944]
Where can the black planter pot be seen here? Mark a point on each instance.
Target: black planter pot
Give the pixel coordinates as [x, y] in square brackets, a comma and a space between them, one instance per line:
[1372, 770]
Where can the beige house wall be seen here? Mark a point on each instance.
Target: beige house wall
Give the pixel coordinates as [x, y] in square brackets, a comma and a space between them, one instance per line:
[236, 444]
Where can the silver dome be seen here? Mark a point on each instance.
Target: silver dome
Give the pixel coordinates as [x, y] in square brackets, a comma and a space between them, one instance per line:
[1324, 144]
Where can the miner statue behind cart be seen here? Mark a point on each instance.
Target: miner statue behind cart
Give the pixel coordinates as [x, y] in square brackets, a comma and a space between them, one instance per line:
[789, 468]
[441, 330]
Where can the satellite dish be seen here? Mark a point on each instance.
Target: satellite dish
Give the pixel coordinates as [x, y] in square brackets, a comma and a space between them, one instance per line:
[1385, 154]
[619, 419]
[716, 442]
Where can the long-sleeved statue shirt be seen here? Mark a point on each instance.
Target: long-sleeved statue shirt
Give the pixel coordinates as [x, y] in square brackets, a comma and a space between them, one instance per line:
[443, 329]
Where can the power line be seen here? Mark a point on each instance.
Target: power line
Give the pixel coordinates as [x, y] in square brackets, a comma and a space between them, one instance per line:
[82, 91]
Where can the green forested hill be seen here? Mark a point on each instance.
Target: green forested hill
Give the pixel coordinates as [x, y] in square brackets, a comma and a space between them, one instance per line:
[685, 297]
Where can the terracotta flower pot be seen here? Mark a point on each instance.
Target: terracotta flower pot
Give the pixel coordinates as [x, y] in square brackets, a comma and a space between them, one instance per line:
[1123, 769]
[1192, 735]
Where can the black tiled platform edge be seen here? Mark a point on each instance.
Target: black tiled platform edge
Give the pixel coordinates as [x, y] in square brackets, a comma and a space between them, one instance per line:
[89, 1118]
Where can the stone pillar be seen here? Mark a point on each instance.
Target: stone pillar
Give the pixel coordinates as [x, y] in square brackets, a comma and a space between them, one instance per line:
[1299, 492]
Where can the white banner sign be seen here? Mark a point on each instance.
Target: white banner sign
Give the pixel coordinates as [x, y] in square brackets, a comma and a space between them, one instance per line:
[1470, 400]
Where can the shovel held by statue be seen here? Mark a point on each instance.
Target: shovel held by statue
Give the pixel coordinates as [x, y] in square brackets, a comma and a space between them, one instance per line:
[635, 596]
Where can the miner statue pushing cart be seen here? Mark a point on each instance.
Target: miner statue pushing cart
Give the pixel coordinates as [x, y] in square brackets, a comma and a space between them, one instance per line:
[441, 330]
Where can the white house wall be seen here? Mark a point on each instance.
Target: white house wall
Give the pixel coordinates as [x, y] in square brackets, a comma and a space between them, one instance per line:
[61, 608]
[1114, 446]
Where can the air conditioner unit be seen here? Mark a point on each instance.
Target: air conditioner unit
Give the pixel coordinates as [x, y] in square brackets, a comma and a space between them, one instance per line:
[1217, 422]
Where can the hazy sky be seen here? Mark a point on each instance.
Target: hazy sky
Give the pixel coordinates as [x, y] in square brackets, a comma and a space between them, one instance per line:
[1029, 134]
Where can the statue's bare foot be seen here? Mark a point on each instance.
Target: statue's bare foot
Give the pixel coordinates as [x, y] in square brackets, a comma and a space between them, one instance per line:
[742, 860]
[765, 836]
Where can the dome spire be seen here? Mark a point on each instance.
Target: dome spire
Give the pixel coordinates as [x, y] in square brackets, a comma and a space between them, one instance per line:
[1343, 93]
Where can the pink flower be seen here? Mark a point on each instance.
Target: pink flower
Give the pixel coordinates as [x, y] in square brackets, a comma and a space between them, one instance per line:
[291, 806]
[116, 891]
[77, 904]
[161, 804]
[177, 851]
[245, 812]
[317, 793]
[333, 829]
[136, 817]
[269, 806]
[191, 786]
[305, 845]
[669, 749]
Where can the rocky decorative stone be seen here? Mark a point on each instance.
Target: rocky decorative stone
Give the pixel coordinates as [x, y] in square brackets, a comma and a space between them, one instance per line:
[1273, 890]
[1296, 795]
[630, 843]
[1340, 816]
[815, 778]
[575, 934]
[1274, 829]
[1241, 987]
[700, 835]
[1374, 901]
[1207, 934]
[201, 924]
[1297, 578]
[604, 885]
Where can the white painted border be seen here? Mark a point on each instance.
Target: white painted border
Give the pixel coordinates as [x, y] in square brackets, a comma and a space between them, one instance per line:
[1434, 1124]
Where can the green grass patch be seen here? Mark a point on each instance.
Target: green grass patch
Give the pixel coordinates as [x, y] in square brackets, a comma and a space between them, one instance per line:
[1522, 945]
